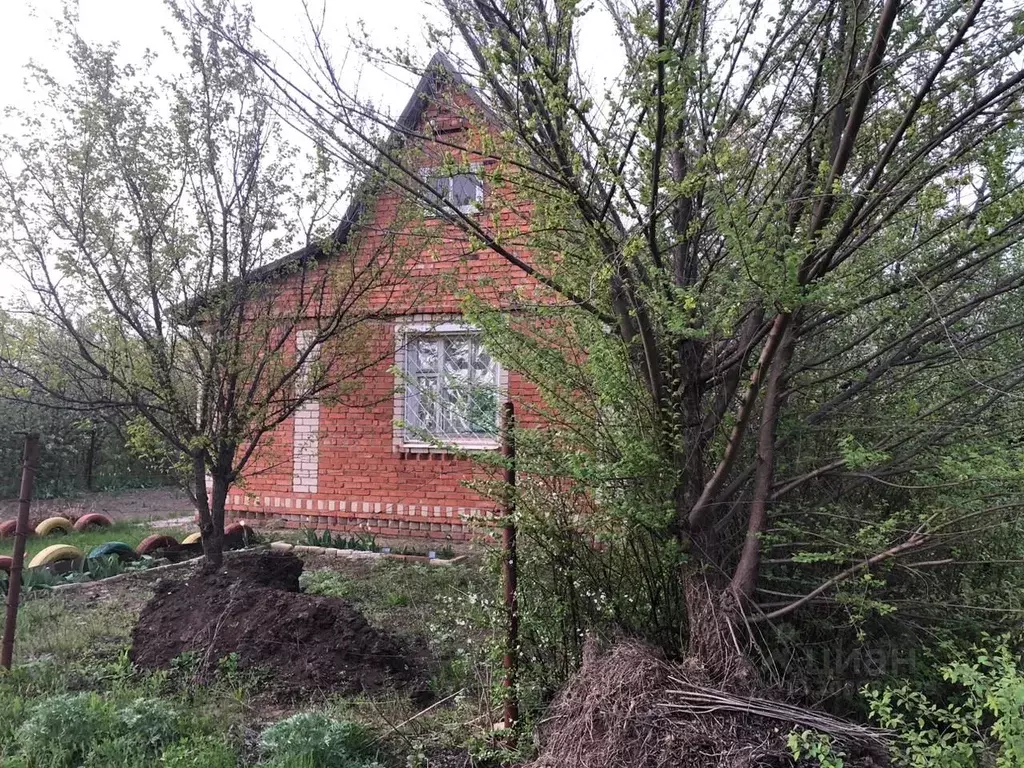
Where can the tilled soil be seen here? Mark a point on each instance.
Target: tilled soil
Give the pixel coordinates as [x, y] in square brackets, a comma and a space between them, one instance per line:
[308, 644]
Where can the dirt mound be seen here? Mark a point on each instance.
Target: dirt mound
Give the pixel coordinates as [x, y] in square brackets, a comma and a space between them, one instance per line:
[253, 607]
[275, 570]
[630, 708]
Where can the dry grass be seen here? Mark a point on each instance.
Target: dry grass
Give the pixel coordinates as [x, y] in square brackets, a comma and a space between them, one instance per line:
[630, 708]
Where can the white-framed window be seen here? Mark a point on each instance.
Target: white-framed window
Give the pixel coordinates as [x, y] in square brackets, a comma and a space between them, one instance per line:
[463, 190]
[451, 388]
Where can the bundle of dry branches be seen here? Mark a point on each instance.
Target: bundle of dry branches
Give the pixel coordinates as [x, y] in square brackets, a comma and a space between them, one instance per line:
[631, 708]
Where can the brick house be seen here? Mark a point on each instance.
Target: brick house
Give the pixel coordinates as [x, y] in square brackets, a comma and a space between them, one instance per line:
[377, 466]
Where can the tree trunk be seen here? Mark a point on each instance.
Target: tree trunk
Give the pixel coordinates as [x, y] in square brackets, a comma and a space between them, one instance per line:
[90, 459]
[716, 652]
[213, 545]
[745, 576]
[213, 538]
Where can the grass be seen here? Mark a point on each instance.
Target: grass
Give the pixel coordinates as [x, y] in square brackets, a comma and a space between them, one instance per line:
[71, 659]
[129, 533]
[403, 597]
[76, 643]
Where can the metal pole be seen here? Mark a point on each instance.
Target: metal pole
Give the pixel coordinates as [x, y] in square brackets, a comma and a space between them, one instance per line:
[508, 567]
[28, 478]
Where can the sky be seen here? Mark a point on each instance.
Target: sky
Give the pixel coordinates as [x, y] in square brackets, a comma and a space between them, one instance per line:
[26, 34]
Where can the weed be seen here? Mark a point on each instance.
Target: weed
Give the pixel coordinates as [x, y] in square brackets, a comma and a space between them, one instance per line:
[313, 739]
[61, 730]
[327, 583]
[149, 723]
[104, 567]
[121, 752]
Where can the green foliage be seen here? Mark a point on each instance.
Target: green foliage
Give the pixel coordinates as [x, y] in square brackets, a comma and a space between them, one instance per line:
[76, 454]
[67, 729]
[149, 723]
[314, 740]
[119, 752]
[104, 567]
[975, 720]
[12, 714]
[593, 500]
[199, 752]
[63, 729]
[363, 543]
[816, 748]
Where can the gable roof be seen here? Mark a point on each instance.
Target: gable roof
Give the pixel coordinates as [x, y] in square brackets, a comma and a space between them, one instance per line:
[439, 73]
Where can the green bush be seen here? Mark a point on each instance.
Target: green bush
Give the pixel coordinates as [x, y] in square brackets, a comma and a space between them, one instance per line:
[151, 724]
[199, 752]
[61, 730]
[979, 722]
[83, 729]
[314, 740]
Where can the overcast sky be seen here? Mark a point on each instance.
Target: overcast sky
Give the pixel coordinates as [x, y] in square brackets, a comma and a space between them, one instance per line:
[26, 34]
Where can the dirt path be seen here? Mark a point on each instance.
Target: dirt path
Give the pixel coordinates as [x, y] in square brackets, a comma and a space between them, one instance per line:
[149, 504]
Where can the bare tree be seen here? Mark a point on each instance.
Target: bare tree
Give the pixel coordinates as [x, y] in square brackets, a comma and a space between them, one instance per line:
[153, 221]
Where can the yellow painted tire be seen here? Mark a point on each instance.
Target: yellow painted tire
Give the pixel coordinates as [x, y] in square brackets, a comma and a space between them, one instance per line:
[54, 525]
[55, 553]
[193, 538]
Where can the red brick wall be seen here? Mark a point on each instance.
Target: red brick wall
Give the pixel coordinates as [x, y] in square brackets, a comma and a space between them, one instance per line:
[365, 481]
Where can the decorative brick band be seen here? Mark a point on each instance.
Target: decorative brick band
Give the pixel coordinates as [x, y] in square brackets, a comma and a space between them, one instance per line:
[376, 517]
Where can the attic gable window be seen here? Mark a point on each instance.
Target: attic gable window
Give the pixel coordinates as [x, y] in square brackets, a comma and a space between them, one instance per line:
[463, 191]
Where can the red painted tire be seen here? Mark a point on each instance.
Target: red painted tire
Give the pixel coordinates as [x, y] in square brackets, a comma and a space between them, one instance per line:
[7, 528]
[93, 520]
[238, 535]
[155, 542]
[6, 563]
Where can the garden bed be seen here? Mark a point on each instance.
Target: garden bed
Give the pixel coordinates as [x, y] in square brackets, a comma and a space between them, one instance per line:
[364, 554]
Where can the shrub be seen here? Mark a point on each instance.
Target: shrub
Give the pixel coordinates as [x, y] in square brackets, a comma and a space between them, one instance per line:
[314, 740]
[149, 723]
[979, 722]
[61, 730]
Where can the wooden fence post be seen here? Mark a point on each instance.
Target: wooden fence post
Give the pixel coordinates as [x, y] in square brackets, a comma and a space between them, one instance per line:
[28, 478]
[508, 568]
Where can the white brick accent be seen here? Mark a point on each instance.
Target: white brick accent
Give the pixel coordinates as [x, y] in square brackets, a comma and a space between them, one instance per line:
[306, 448]
[305, 437]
